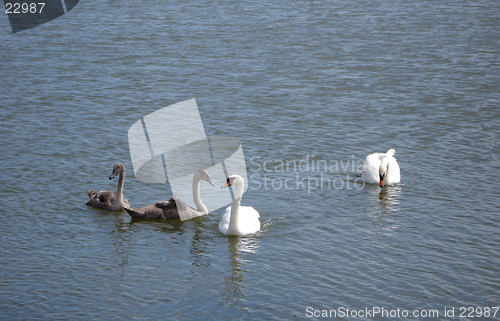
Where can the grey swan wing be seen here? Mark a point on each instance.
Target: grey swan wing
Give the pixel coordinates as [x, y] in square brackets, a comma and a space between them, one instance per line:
[167, 205]
[162, 210]
[102, 199]
[169, 209]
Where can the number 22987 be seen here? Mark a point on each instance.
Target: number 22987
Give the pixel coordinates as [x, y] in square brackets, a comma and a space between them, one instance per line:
[24, 7]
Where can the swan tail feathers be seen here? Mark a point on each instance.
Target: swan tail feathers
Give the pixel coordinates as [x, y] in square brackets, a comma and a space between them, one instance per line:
[391, 152]
[134, 212]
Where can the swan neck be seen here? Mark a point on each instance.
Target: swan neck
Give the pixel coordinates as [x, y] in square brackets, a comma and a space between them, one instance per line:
[119, 190]
[235, 208]
[387, 165]
[200, 207]
[384, 164]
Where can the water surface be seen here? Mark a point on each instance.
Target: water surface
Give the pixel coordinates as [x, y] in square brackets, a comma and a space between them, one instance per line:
[293, 80]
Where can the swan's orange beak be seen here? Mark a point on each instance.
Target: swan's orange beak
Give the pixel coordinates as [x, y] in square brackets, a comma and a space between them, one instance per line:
[228, 183]
[381, 182]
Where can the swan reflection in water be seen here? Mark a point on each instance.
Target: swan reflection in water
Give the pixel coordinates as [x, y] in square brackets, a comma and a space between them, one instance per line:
[385, 202]
[386, 197]
[233, 284]
[389, 197]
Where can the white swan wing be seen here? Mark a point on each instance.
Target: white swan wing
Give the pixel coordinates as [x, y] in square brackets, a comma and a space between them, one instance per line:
[249, 222]
[224, 222]
[371, 168]
[394, 174]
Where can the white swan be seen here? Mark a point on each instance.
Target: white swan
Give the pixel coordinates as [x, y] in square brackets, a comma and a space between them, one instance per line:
[186, 212]
[238, 220]
[107, 200]
[174, 208]
[381, 168]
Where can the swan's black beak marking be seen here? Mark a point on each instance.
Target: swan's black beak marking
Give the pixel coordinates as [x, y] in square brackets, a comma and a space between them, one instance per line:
[228, 183]
[382, 177]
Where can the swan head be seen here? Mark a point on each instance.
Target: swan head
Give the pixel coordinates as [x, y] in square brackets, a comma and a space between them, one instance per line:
[234, 180]
[204, 175]
[118, 169]
[238, 184]
[382, 171]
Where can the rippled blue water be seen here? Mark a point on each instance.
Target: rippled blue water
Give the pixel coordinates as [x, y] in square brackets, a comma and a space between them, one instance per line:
[293, 80]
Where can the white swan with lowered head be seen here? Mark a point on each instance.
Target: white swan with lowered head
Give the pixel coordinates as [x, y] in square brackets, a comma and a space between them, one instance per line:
[170, 209]
[381, 169]
[238, 220]
[107, 200]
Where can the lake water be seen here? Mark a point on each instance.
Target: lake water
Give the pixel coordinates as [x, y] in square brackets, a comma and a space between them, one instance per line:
[294, 81]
